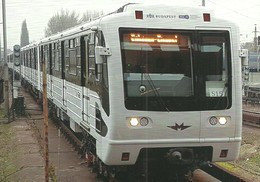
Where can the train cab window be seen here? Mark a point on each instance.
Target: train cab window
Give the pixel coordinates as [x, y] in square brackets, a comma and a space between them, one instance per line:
[165, 63]
[214, 56]
[178, 67]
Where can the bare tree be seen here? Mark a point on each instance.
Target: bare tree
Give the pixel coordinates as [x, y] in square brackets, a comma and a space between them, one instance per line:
[62, 21]
[90, 15]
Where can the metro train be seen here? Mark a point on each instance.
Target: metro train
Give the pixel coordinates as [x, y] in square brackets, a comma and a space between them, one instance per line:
[145, 83]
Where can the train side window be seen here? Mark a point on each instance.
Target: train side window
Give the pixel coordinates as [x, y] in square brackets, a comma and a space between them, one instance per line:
[72, 58]
[78, 56]
[46, 59]
[56, 59]
[29, 58]
[50, 52]
[71, 43]
[53, 55]
[72, 62]
[104, 65]
[32, 58]
[23, 54]
[22, 63]
[85, 62]
[91, 56]
[26, 58]
[41, 57]
[98, 68]
[36, 58]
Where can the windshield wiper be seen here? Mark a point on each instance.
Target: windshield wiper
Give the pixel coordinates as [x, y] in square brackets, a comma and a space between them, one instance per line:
[155, 90]
[148, 91]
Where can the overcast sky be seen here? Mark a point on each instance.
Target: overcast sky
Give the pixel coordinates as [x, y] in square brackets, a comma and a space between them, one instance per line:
[38, 12]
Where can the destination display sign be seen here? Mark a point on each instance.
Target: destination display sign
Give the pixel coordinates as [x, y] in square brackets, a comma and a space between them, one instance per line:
[153, 38]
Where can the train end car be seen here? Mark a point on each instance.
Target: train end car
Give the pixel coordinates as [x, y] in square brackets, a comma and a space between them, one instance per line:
[146, 83]
[174, 86]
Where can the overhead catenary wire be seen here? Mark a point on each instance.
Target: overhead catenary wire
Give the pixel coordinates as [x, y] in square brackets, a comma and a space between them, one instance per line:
[234, 11]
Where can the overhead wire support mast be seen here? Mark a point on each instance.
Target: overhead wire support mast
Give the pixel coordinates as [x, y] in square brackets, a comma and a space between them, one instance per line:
[203, 2]
[255, 37]
[6, 82]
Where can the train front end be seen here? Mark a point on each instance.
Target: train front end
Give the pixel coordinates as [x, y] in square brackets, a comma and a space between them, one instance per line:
[175, 86]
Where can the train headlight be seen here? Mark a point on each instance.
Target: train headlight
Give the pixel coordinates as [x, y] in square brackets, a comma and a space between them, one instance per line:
[134, 122]
[144, 121]
[213, 120]
[222, 120]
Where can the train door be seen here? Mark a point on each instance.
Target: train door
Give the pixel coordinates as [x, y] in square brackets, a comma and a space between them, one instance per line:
[215, 54]
[49, 70]
[30, 67]
[85, 91]
[93, 87]
[63, 75]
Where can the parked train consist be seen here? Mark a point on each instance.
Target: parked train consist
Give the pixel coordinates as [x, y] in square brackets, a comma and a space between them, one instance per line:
[147, 82]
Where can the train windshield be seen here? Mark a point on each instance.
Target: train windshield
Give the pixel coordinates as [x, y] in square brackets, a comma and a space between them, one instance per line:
[169, 70]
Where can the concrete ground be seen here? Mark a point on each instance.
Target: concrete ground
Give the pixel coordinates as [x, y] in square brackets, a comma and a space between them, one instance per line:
[29, 162]
[67, 164]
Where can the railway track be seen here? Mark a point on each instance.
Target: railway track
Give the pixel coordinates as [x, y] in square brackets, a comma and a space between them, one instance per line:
[223, 174]
[251, 118]
[212, 172]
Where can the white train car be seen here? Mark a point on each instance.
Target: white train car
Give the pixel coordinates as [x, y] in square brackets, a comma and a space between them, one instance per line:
[10, 60]
[148, 81]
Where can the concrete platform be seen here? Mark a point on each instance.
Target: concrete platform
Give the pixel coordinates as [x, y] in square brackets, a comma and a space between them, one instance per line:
[67, 163]
[29, 160]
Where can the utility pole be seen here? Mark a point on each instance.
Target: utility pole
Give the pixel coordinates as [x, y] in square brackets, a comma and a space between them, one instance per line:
[0, 48]
[6, 81]
[203, 3]
[45, 117]
[256, 49]
[255, 38]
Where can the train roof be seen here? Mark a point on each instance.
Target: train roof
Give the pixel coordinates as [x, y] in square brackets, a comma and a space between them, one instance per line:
[157, 10]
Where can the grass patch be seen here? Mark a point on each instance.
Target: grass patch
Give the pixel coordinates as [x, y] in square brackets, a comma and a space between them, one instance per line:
[227, 166]
[8, 152]
[2, 115]
[255, 159]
